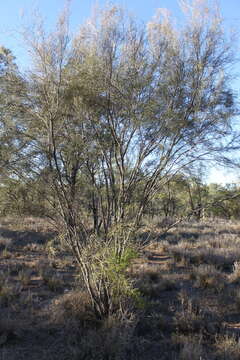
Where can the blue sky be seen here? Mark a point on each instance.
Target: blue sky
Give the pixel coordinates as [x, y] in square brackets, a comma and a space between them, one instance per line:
[11, 12]
[11, 21]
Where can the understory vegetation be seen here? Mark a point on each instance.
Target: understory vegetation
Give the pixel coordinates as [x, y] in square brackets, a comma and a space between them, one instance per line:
[112, 245]
[185, 304]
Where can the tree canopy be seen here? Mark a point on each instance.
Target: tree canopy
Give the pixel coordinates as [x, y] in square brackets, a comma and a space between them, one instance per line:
[115, 112]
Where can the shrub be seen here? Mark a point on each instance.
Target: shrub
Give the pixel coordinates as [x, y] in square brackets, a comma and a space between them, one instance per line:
[104, 274]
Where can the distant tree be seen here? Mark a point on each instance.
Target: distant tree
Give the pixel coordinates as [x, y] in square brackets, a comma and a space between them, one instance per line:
[225, 200]
[9, 145]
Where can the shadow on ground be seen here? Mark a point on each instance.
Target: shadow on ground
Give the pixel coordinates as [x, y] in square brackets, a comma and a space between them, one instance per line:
[23, 238]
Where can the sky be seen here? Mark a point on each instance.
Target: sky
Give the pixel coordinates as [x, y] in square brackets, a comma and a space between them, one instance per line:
[16, 13]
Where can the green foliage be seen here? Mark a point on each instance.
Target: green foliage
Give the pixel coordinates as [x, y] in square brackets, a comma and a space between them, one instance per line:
[112, 269]
[116, 271]
[119, 264]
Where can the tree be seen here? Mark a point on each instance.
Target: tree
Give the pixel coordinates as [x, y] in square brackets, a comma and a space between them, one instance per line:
[126, 108]
[10, 143]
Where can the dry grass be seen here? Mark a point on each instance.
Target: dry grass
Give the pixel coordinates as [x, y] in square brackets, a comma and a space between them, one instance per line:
[235, 275]
[207, 276]
[73, 309]
[228, 347]
[189, 280]
[24, 276]
[192, 349]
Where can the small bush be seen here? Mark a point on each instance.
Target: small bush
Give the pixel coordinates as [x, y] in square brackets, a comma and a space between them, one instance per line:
[105, 276]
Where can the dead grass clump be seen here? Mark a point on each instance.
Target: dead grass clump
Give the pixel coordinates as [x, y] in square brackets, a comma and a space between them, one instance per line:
[154, 290]
[152, 276]
[5, 243]
[189, 318]
[9, 330]
[52, 248]
[152, 284]
[24, 276]
[112, 342]
[152, 323]
[149, 282]
[236, 297]
[224, 258]
[161, 246]
[192, 349]
[15, 269]
[57, 246]
[234, 277]
[42, 265]
[8, 293]
[168, 284]
[6, 254]
[53, 281]
[189, 255]
[26, 300]
[178, 254]
[74, 309]
[151, 290]
[227, 347]
[207, 276]
[33, 247]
